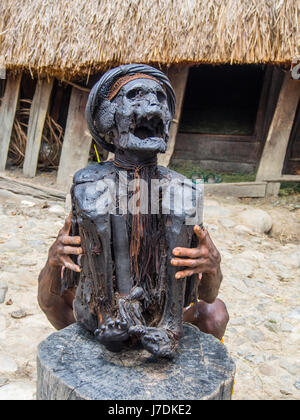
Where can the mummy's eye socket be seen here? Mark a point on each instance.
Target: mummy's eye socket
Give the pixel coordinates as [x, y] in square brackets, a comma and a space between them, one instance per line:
[161, 97]
[132, 94]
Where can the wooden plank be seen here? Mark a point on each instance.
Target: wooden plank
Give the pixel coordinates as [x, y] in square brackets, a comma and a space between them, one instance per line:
[178, 78]
[237, 189]
[77, 140]
[284, 178]
[220, 148]
[272, 160]
[35, 190]
[38, 112]
[7, 116]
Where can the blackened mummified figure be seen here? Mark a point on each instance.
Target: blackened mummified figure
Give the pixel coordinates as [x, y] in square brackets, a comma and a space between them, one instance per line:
[127, 294]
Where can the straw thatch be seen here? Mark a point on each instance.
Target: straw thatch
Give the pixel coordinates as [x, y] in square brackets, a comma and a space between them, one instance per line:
[76, 37]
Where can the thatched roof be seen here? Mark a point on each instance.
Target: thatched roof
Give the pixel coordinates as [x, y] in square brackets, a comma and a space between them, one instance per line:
[75, 37]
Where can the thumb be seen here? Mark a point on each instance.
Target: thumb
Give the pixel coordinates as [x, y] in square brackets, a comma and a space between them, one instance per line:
[67, 225]
[200, 233]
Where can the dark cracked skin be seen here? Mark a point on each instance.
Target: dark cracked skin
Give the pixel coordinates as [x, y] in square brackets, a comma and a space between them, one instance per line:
[129, 308]
[209, 314]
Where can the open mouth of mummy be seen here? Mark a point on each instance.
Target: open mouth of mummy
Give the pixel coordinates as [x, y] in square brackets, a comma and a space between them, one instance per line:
[149, 127]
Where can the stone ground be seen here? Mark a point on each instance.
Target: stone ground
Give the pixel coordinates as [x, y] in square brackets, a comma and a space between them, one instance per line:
[260, 288]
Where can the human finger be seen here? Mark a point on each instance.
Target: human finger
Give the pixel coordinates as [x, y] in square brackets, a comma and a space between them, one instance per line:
[200, 233]
[68, 222]
[187, 252]
[70, 240]
[186, 273]
[68, 263]
[178, 262]
[72, 250]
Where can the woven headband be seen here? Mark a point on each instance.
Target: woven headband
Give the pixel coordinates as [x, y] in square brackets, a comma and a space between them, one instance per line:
[117, 86]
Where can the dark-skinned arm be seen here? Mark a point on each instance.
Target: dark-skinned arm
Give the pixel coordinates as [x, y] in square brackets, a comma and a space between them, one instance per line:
[59, 308]
[205, 261]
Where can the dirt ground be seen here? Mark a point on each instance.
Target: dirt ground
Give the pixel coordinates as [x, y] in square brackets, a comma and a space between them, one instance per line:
[260, 288]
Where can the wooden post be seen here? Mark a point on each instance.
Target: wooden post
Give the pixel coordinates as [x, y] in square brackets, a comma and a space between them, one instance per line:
[272, 160]
[7, 116]
[77, 140]
[178, 78]
[38, 112]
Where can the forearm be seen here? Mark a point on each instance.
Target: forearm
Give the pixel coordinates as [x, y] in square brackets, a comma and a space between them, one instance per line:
[209, 285]
[56, 307]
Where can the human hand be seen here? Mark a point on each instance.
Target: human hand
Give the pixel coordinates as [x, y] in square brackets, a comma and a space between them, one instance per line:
[203, 259]
[64, 246]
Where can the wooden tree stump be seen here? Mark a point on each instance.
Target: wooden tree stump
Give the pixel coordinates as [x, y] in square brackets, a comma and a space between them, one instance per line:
[72, 365]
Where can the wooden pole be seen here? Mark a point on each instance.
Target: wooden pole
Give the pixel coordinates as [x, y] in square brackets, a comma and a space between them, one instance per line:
[77, 140]
[178, 78]
[272, 160]
[7, 116]
[38, 112]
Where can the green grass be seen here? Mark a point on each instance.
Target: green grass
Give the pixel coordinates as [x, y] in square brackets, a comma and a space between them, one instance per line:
[194, 171]
[289, 188]
[191, 170]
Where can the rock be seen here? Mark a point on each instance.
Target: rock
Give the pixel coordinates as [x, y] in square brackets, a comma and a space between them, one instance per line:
[294, 314]
[297, 385]
[36, 243]
[56, 209]
[3, 381]
[255, 335]
[25, 203]
[285, 391]
[237, 322]
[12, 245]
[241, 266]
[242, 229]
[7, 364]
[227, 223]
[286, 327]
[289, 366]
[3, 291]
[249, 282]
[19, 314]
[20, 390]
[216, 212]
[256, 219]
[271, 326]
[255, 359]
[267, 370]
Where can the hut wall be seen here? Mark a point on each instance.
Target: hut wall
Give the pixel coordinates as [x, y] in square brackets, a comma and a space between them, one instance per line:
[228, 152]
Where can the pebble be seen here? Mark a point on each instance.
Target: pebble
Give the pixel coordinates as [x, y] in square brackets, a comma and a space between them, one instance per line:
[294, 314]
[271, 326]
[266, 370]
[7, 364]
[20, 313]
[3, 291]
[255, 335]
[227, 223]
[25, 203]
[18, 391]
[286, 327]
[297, 385]
[12, 245]
[56, 209]
[290, 367]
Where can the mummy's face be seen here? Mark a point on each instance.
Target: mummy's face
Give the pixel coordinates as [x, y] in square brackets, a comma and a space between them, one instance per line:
[142, 117]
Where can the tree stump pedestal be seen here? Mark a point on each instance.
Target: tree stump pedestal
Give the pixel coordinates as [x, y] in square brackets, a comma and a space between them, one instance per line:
[72, 365]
